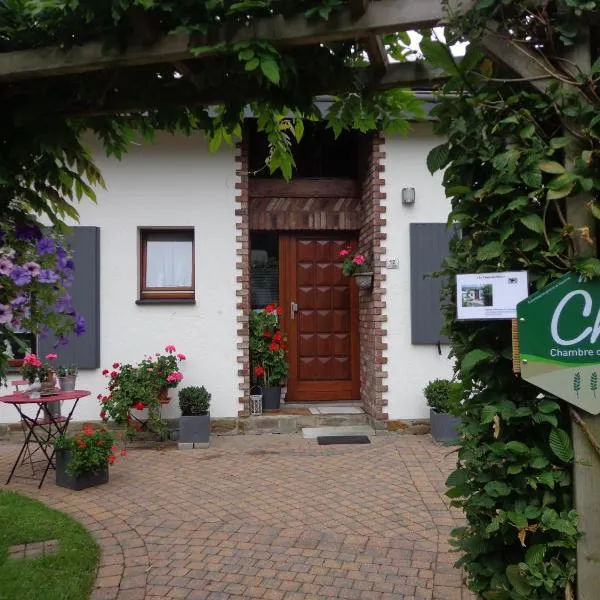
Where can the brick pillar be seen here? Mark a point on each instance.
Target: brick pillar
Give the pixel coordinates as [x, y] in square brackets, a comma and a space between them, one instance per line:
[242, 274]
[372, 326]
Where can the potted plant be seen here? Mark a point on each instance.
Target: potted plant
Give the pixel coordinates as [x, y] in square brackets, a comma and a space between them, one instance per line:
[82, 461]
[194, 423]
[67, 377]
[443, 398]
[141, 386]
[356, 265]
[36, 371]
[267, 354]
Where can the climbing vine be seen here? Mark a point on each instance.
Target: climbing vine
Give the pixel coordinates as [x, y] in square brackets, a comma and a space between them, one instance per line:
[516, 150]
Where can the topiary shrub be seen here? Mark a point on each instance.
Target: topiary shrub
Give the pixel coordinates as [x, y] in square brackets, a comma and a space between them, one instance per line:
[443, 395]
[194, 401]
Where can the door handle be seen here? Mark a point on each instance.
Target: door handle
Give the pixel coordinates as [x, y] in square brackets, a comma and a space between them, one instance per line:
[293, 310]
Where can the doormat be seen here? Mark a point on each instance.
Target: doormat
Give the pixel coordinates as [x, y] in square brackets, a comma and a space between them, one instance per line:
[328, 440]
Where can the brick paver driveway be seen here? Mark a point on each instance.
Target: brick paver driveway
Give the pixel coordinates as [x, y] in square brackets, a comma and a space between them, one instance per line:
[270, 517]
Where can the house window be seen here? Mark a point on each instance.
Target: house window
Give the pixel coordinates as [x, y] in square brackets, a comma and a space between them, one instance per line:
[264, 272]
[167, 264]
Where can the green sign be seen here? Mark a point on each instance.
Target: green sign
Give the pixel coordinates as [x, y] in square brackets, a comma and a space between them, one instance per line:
[559, 337]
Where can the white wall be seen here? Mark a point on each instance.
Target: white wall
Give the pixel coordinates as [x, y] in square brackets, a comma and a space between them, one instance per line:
[174, 182]
[409, 366]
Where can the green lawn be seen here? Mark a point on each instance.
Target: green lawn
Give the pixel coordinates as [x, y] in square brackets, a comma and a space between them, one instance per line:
[67, 575]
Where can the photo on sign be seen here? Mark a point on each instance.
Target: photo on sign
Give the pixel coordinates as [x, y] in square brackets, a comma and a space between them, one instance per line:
[489, 296]
[477, 295]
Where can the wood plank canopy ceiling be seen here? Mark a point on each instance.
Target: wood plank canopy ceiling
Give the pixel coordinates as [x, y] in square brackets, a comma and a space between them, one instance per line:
[362, 20]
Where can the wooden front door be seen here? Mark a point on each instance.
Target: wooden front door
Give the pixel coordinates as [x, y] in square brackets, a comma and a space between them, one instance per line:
[321, 318]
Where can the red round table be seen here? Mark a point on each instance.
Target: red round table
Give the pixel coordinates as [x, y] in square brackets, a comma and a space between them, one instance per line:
[42, 429]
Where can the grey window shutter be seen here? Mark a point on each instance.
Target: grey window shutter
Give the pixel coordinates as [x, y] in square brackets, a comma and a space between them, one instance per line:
[428, 248]
[84, 351]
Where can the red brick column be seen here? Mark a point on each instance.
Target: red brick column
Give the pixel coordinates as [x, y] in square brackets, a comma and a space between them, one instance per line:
[372, 327]
[243, 274]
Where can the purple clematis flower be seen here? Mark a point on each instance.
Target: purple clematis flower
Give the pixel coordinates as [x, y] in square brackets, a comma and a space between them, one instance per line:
[19, 300]
[63, 304]
[33, 268]
[21, 276]
[62, 257]
[25, 233]
[45, 246]
[80, 326]
[6, 314]
[48, 276]
[6, 266]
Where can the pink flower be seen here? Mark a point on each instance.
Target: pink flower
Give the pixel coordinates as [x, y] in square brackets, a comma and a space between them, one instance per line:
[149, 370]
[33, 360]
[181, 356]
[173, 377]
[170, 348]
[51, 356]
[359, 259]
[344, 252]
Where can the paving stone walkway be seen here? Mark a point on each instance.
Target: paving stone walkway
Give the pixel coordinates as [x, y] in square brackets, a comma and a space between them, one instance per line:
[270, 517]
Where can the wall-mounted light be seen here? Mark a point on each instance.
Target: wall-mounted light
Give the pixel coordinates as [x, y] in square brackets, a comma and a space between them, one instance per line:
[408, 196]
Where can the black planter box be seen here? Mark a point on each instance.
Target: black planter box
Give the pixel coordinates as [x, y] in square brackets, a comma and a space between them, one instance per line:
[271, 398]
[77, 482]
[194, 430]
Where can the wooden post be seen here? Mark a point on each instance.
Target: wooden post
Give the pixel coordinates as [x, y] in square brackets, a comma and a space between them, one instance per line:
[587, 461]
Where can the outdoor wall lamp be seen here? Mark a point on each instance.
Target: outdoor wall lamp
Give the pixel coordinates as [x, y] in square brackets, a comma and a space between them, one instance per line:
[408, 196]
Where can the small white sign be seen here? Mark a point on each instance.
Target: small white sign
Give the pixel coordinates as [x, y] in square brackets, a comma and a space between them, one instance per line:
[487, 296]
[392, 263]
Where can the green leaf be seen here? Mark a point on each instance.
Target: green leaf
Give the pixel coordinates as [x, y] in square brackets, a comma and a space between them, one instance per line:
[548, 406]
[535, 554]
[550, 166]
[439, 55]
[489, 251]
[527, 131]
[246, 54]
[533, 222]
[488, 412]
[595, 208]
[532, 178]
[270, 70]
[474, 358]
[497, 489]
[518, 580]
[438, 158]
[560, 444]
[559, 142]
[558, 194]
[517, 447]
[546, 478]
[252, 64]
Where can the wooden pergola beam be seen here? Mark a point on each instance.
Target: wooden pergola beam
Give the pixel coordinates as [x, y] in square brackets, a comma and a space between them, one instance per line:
[358, 7]
[376, 52]
[380, 16]
[531, 66]
[183, 92]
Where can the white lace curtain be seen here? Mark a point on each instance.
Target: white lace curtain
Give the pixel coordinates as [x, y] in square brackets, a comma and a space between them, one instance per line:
[168, 264]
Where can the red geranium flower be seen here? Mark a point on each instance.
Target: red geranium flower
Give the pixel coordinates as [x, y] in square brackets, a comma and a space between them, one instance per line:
[280, 311]
[274, 347]
[258, 371]
[111, 460]
[139, 406]
[269, 308]
[114, 374]
[277, 337]
[267, 334]
[116, 365]
[103, 414]
[105, 372]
